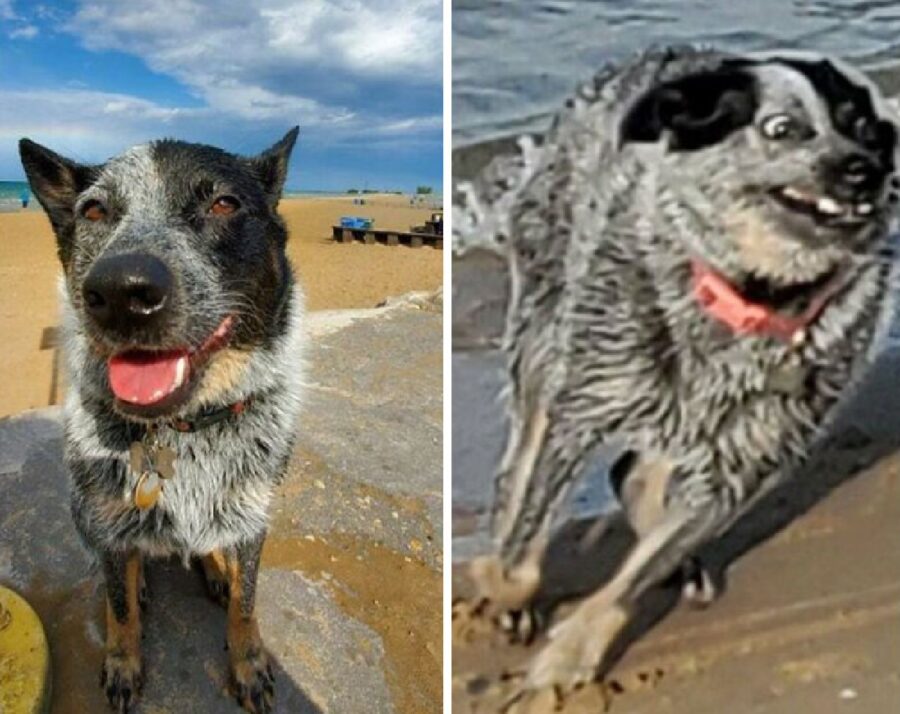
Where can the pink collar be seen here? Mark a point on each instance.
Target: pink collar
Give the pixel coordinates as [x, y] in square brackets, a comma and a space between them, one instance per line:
[719, 299]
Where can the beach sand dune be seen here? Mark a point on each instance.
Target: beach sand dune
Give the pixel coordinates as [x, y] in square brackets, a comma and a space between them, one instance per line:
[334, 275]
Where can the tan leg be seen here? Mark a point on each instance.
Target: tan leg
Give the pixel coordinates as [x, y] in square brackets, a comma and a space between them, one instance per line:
[121, 676]
[216, 575]
[579, 644]
[644, 493]
[251, 680]
[644, 500]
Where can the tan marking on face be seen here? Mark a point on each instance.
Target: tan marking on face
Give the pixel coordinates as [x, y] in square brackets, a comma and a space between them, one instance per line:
[224, 372]
[765, 252]
[761, 250]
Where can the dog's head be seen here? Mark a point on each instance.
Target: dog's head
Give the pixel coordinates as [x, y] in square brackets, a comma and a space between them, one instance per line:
[775, 167]
[174, 264]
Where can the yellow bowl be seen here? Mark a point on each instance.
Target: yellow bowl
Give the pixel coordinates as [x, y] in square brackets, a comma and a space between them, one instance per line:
[24, 658]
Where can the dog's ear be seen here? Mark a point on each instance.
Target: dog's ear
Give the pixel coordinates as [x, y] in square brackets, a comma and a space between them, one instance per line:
[272, 164]
[56, 181]
[697, 111]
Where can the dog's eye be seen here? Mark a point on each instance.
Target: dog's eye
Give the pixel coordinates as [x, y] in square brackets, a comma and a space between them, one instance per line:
[94, 211]
[224, 206]
[778, 126]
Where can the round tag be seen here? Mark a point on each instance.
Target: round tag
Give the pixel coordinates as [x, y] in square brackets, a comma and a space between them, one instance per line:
[146, 493]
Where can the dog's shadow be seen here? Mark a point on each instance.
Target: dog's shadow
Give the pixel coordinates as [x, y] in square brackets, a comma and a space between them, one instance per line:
[184, 648]
[584, 555]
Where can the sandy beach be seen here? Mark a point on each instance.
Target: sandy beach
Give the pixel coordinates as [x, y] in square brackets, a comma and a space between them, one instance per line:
[334, 275]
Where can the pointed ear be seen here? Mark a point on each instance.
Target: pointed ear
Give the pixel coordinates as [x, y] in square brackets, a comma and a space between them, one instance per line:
[697, 111]
[272, 164]
[56, 181]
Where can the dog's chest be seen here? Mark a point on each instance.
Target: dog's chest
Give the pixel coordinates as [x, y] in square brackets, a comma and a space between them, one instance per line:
[218, 485]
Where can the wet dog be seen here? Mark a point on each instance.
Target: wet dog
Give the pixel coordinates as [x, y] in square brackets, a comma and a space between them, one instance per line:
[182, 331]
[699, 257]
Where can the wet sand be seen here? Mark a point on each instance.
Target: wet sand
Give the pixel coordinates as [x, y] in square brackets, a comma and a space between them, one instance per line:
[334, 275]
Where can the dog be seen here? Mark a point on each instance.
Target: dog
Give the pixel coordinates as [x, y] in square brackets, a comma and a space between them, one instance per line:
[182, 331]
[699, 254]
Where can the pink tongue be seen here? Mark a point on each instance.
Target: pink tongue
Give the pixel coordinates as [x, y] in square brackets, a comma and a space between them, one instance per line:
[146, 378]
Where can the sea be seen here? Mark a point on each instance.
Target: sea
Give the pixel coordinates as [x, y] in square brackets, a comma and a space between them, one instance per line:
[514, 61]
[11, 192]
[10, 196]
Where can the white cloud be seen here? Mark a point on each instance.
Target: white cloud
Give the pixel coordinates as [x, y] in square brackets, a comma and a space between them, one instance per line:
[6, 10]
[26, 32]
[274, 57]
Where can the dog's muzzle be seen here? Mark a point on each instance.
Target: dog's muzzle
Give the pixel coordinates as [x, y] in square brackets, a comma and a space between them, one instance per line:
[128, 294]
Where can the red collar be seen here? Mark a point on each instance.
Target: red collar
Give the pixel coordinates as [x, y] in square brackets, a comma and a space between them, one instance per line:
[718, 299]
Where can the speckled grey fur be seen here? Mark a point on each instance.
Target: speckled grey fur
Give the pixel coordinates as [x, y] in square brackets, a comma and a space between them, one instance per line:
[225, 474]
[606, 343]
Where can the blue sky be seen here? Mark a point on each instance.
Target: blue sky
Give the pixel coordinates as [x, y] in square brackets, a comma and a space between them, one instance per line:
[362, 78]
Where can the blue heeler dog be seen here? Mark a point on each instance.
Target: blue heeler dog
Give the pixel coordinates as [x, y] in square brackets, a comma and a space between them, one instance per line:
[182, 330]
[699, 256]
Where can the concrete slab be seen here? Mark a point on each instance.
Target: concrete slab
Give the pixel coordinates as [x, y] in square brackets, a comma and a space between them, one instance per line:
[350, 587]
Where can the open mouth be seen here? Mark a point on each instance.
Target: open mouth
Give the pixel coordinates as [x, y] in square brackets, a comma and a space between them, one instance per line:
[152, 381]
[823, 209]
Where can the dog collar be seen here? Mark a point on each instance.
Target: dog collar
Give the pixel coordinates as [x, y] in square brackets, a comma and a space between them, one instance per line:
[721, 301]
[152, 464]
[208, 418]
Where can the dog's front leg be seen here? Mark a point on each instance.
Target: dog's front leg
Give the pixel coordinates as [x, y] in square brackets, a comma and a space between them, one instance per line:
[541, 468]
[580, 644]
[122, 676]
[250, 676]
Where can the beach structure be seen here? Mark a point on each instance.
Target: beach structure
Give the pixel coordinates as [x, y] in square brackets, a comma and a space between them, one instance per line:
[352, 228]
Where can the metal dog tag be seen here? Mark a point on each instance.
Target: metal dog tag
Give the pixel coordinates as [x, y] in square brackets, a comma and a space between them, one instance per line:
[152, 464]
[136, 457]
[164, 461]
[146, 492]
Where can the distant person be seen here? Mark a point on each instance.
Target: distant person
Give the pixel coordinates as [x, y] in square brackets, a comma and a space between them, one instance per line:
[25, 197]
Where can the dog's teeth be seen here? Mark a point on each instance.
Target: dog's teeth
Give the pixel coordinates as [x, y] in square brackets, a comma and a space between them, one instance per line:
[791, 192]
[829, 206]
[179, 371]
[864, 209]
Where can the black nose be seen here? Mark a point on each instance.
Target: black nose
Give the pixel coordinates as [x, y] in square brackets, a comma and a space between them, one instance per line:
[860, 172]
[127, 292]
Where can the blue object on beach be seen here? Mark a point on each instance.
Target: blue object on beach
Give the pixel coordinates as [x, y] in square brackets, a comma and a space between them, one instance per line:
[356, 223]
[25, 196]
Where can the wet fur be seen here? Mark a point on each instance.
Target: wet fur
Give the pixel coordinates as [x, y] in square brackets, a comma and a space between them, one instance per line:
[605, 343]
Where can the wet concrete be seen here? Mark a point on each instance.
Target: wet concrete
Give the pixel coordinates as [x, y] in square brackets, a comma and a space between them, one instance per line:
[349, 597]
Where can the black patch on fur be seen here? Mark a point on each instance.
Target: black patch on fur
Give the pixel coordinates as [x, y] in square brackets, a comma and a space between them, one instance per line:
[699, 110]
[850, 106]
[248, 248]
[57, 182]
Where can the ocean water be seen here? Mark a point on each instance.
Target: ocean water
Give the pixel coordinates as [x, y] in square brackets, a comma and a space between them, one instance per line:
[514, 61]
[10, 192]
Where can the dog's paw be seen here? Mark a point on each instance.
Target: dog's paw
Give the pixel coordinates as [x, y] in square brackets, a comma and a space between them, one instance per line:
[121, 678]
[699, 589]
[571, 659]
[521, 626]
[252, 683]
